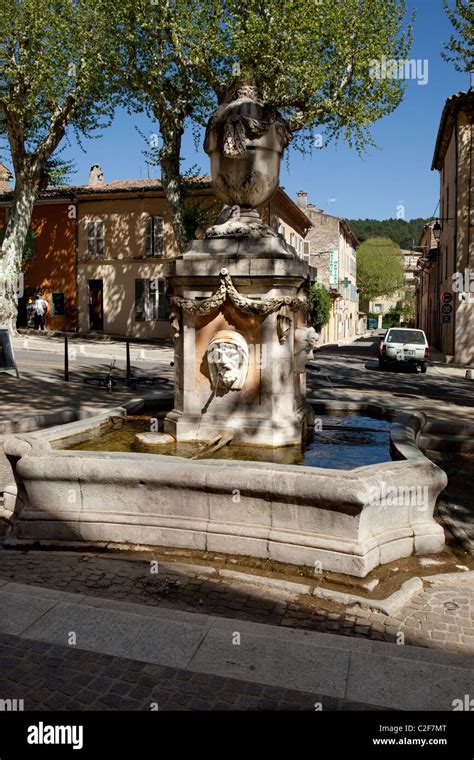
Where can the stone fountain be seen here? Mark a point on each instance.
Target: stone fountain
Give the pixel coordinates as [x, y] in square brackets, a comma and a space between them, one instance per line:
[240, 316]
[240, 296]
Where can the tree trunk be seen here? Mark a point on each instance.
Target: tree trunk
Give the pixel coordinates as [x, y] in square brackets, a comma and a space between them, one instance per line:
[11, 250]
[171, 179]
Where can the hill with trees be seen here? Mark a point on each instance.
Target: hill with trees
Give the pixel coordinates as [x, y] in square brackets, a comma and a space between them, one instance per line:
[406, 234]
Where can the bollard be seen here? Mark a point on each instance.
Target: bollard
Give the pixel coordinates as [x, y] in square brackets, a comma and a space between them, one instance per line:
[469, 374]
[66, 359]
[129, 373]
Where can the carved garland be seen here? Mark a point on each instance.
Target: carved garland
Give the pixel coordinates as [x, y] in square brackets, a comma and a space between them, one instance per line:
[227, 289]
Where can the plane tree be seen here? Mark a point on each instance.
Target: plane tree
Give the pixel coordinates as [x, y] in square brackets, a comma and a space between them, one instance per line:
[312, 59]
[53, 78]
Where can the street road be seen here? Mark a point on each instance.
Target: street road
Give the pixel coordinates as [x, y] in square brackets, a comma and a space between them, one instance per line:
[355, 368]
[336, 370]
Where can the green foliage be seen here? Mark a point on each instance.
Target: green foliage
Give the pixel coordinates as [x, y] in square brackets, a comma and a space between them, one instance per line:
[406, 307]
[320, 305]
[460, 48]
[379, 268]
[392, 319]
[314, 59]
[406, 234]
[52, 72]
[58, 171]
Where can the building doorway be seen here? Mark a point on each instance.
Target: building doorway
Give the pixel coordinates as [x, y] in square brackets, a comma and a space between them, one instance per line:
[96, 306]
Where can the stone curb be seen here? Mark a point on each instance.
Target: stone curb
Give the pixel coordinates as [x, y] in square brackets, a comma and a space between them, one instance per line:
[257, 580]
[390, 605]
[461, 577]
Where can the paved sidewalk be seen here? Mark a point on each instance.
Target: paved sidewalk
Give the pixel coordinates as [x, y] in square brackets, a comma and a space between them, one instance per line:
[54, 677]
[108, 349]
[227, 591]
[363, 672]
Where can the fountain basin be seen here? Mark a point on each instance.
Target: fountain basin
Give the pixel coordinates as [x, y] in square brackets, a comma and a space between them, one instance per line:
[346, 522]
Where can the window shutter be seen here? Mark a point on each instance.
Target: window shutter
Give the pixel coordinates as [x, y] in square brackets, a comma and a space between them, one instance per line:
[163, 304]
[159, 236]
[95, 238]
[90, 238]
[99, 236]
[148, 236]
[140, 315]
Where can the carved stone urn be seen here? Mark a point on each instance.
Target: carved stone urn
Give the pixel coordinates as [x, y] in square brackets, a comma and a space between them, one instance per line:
[245, 139]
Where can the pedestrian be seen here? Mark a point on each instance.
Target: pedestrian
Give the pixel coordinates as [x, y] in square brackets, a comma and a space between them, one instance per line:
[40, 309]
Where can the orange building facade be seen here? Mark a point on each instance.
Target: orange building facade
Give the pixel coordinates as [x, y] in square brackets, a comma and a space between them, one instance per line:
[49, 262]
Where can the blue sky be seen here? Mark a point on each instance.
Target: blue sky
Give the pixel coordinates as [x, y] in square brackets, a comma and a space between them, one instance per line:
[335, 177]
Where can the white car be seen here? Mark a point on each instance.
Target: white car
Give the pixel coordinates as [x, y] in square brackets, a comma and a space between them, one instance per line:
[403, 345]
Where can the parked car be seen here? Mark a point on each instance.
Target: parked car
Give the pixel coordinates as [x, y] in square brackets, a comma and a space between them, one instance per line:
[402, 345]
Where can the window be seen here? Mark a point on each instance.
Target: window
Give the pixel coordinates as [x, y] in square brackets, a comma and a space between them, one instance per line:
[155, 236]
[95, 238]
[58, 305]
[151, 301]
[406, 336]
[306, 249]
[378, 307]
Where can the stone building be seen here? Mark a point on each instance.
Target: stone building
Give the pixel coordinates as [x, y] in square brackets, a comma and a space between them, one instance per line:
[330, 246]
[427, 290]
[97, 251]
[5, 177]
[446, 291]
[125, 236]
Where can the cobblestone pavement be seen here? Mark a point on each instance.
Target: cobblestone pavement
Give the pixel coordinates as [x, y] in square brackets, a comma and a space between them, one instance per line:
[52, 677]
[440, 617]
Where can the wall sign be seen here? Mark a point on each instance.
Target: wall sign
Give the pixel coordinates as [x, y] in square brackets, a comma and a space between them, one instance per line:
[333, 268]
[446, 297]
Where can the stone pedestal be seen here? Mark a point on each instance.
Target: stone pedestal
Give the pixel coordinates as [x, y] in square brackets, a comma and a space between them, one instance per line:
[257, 288]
